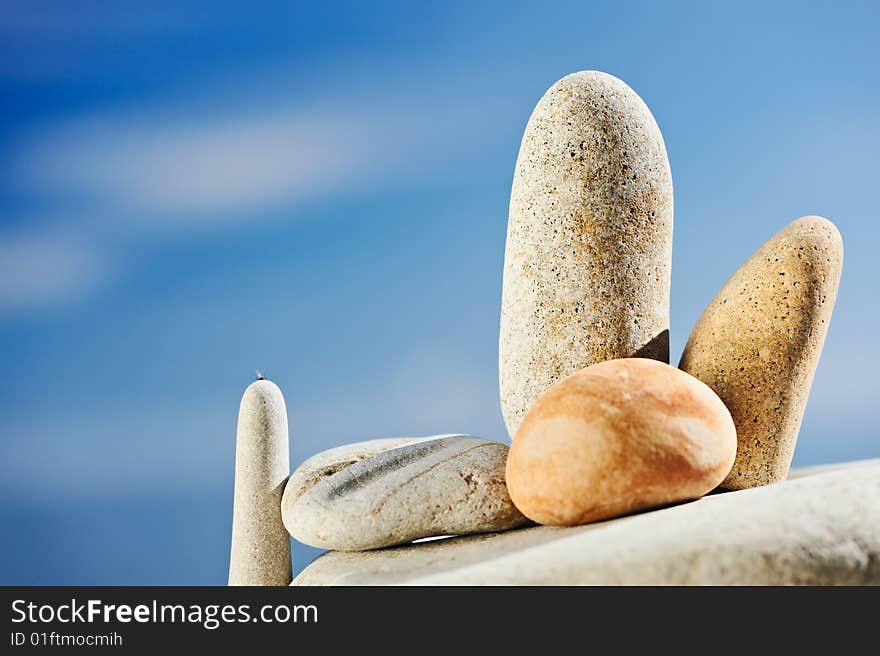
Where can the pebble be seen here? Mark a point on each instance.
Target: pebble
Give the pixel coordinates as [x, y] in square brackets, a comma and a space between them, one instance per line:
[758, 342]
[589, 239]
[332, 461]
[260, 552]
[450, 485]
[618, 437]
[821, 529]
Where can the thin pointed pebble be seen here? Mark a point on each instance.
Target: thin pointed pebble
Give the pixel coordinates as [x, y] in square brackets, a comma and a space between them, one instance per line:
[260, 552]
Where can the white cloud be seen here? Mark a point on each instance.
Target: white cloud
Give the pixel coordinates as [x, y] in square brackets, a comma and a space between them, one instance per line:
[40, 269]
[197, 162]
[201, 167]
[240, 151]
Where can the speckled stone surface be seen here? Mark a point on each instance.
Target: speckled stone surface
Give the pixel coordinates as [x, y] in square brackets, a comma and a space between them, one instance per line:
[448, 486]
[332, 461]
[589, 239]
[260, 552]
[617, 437]
[758, 342]
[820, 529]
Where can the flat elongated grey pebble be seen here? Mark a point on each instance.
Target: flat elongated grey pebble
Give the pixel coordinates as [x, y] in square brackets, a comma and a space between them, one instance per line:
[447, 486]
[260, 553]
[332, 461]
[821, 528]
[589, 240]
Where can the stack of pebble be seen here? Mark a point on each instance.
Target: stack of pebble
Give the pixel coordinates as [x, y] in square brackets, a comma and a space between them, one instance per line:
[601, 424]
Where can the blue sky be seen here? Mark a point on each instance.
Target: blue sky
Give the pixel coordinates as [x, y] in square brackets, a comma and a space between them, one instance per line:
[190, 192]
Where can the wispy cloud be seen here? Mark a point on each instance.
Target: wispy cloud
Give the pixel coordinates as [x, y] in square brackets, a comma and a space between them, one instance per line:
[209, 158]
[43, 268]
[236, 153]
[197, 168]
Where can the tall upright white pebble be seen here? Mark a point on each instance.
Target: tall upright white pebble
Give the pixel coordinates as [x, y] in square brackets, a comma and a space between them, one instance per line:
[260, 543]
[589, 240]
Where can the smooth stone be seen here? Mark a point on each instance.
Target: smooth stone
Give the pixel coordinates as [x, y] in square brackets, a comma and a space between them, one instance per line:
[617, 437]
[758, 342]
[447, 486]
[332, 461]
[260, 553]
[589, 239]
[801, 472]
[816, 530]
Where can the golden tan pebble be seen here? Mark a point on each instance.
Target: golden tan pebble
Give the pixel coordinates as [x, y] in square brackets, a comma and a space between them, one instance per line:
[758, 342]
[618, 437]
